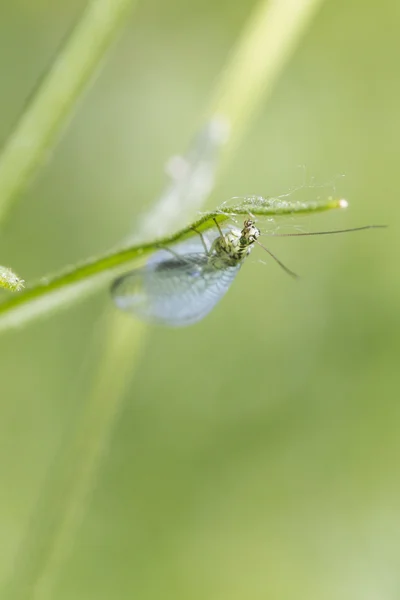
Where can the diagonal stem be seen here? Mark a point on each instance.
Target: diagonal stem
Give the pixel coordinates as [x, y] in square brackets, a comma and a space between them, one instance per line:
[56, 98]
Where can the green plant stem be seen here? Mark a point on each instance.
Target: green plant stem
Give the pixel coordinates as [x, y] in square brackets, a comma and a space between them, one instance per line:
[60, 290]
[57, 96]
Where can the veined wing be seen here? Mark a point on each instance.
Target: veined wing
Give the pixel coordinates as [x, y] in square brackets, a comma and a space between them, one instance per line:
[174, 290]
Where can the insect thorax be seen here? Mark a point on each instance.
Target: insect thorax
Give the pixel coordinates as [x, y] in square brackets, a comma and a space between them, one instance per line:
[234, 246]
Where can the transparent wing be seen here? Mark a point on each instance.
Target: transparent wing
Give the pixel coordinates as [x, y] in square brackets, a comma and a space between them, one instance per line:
[173, 289]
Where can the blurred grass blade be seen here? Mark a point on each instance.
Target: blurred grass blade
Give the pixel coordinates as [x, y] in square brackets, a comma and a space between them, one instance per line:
[267, 43]
[53, 293]
[49, 109]
[62, 501]
[192, 179]
[87, 448]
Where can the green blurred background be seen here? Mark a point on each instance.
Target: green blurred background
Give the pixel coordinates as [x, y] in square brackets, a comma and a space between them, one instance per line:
[257, 453]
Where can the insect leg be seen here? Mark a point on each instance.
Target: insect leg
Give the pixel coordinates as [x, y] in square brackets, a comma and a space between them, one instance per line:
[203, 241]
[219, 228]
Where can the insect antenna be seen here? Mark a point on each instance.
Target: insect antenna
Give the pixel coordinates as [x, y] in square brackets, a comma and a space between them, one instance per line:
[276, 259]
[326, 232]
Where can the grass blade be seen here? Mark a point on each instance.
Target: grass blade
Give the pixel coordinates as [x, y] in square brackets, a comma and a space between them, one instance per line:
[53, 103]
[61, 290]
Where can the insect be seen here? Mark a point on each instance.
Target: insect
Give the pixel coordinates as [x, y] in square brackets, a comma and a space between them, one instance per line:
[181, 286]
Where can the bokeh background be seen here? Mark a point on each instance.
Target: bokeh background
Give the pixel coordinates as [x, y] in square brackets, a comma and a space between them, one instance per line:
[256, 454]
